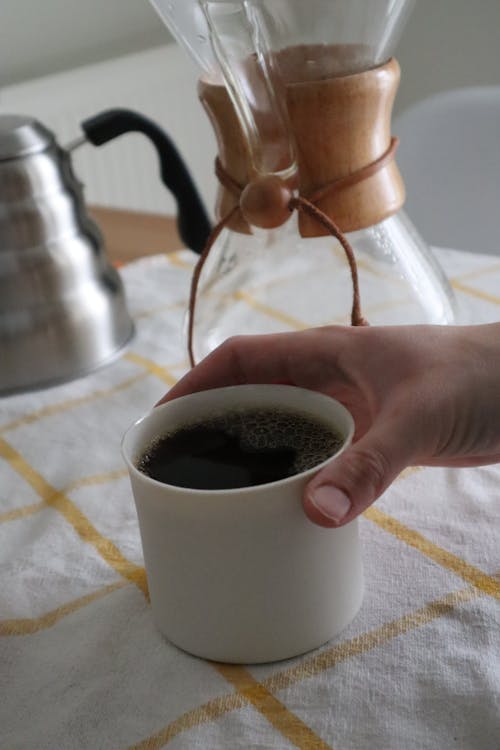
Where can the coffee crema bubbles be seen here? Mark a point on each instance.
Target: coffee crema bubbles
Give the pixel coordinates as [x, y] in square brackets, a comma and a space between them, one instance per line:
[240, 448]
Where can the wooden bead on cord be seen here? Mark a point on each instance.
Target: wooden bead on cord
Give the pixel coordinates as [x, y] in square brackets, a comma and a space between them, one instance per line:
[265, 201]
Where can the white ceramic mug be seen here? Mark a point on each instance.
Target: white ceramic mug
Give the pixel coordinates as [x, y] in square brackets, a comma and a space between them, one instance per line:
[243, 575]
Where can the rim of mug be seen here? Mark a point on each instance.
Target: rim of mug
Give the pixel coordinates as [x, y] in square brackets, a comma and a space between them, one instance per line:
[250, 488]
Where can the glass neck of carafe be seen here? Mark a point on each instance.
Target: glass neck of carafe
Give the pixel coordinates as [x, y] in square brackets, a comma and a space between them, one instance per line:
[257, 47]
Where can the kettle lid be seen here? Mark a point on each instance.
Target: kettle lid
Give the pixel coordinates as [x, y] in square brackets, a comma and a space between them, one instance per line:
[21, 135]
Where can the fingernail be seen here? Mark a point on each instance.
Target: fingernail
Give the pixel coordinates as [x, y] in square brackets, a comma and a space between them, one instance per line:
[331, 502]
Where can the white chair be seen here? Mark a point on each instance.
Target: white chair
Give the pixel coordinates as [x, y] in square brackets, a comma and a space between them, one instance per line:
[449, 157]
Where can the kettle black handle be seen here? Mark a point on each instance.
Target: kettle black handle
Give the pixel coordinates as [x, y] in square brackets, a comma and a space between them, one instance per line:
[192, 219]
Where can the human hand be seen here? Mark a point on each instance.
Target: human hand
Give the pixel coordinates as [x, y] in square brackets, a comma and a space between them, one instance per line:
[427, 395]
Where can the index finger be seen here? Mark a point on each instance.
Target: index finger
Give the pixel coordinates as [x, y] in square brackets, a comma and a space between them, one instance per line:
[273, 358]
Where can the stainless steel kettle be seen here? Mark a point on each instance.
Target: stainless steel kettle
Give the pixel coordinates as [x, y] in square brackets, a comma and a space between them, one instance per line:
[62, 305]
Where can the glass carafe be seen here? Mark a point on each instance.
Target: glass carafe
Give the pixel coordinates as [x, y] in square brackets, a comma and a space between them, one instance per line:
[303, 92]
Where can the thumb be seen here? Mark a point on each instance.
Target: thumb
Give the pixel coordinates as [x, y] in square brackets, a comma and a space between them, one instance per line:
[350, 483]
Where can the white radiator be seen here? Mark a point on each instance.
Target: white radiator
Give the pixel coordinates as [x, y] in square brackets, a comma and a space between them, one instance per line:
[160, 83]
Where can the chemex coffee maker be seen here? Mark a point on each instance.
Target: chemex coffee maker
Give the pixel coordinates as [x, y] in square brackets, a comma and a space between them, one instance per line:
[311, 228]
[62, 305]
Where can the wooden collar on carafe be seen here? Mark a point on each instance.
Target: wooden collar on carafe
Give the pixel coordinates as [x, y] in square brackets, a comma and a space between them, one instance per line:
[341, 127]
[346, 182]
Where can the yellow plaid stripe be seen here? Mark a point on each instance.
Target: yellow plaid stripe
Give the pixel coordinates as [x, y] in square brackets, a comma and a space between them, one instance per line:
[85, 530]
[29, 510]
[327, 659]
[485, 583]
[48, 411]
[150, 368]
[176, 260]
[152, 311]
[473, 292]
[27, 626]
[477, 272]
[272, 312]
[312, 666]
[160, 372]
[102, 478]
[210, 711]
[23, 512]
[282, 719]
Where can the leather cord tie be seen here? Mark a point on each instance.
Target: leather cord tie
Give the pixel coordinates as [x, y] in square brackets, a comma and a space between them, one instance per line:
[270, 187]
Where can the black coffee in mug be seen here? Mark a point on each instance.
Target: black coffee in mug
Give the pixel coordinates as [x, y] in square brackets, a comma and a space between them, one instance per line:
[240, 449]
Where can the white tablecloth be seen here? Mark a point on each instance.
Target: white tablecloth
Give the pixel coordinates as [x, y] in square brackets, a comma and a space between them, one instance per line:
[81, 664]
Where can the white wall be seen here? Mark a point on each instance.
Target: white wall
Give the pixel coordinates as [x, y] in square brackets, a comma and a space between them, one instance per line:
[39, 37]
[448, 44]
